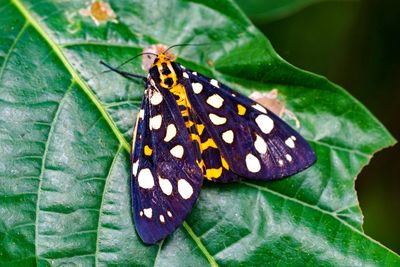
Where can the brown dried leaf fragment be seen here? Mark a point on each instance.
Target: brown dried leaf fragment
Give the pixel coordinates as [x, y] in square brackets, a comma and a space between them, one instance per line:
[270, 100]
[100, 12]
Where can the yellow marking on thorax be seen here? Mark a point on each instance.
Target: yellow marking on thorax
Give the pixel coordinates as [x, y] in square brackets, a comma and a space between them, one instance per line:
[182, 100]
[179, 91]
[175, 88]
[164, 59]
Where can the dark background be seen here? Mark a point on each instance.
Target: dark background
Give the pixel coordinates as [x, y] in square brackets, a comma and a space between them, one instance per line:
[356, 44]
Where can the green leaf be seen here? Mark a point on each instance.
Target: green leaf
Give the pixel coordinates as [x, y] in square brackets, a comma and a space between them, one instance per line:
[65, 133]
[269, 10]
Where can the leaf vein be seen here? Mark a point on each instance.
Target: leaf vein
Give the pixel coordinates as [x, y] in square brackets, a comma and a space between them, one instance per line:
[42, 169]
[201, 246]
[158, 251]
[344, 223]
[12, 47]
[321, 143]
[96, 254]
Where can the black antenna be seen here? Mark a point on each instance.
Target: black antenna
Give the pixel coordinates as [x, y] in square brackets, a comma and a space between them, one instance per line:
[131, 75]
[127, 61]
[172, 46]
[132, 58]
[122, 73]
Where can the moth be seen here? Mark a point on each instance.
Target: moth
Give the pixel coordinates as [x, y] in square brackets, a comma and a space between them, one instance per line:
[191, 127]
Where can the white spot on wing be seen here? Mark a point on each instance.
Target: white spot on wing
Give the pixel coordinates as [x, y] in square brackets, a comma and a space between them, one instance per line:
[217, 120]
[215, 101]
[214, 82]
[141, 213]
[155, 122]
[260, 145]
[228, 136]
[165, 185]
[265, 123]
[145, 179]
[156, 98]
[177, 151]
[185, 189]
[280, 162]
[170, 133]
[289, 158]
[289, 142]
[162, 219]
[259, 108]
[252, 163]
[197, 88]
[186, 75]
[194, 73]
[169, 214]
[135, 167]
[148, 212]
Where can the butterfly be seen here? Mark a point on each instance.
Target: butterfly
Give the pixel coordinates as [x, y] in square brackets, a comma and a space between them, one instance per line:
[190, 128]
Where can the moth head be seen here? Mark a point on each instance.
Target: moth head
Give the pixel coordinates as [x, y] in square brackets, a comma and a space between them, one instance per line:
[163, 58]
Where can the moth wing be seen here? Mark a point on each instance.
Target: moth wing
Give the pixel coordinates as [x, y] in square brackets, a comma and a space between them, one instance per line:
[166, 179]
[255, 142]
[214, 165]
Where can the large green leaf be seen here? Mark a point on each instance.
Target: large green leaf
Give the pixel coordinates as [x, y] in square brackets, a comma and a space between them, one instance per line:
[65, 133]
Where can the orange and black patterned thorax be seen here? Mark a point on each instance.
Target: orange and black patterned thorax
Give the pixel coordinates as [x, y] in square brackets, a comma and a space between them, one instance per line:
[165, 72]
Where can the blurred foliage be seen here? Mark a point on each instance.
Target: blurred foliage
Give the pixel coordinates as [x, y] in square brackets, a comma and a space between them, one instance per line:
[355, 44]
[263, 11]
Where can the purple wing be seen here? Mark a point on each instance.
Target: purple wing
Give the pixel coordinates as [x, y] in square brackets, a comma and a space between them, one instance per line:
[255, 143]
[166, 179]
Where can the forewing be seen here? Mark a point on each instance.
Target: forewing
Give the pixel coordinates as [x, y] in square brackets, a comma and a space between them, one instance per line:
[255, 142]
[166, 180]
